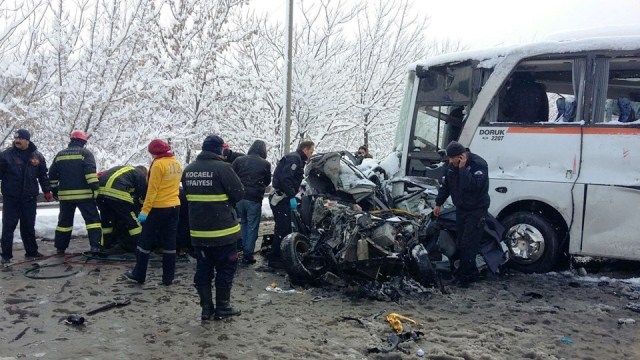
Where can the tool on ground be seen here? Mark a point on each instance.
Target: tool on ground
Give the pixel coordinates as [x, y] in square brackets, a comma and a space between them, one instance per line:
[110, 305]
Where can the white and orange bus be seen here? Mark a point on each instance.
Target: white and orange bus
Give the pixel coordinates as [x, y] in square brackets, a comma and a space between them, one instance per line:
[556, 122]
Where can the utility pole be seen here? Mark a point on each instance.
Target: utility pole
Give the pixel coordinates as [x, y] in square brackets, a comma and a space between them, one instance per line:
[287, 101]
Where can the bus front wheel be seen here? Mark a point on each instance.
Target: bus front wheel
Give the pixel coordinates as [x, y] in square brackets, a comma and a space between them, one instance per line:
[532, 241]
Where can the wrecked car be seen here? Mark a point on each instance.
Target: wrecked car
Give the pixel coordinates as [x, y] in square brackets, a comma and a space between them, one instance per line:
[348, 225]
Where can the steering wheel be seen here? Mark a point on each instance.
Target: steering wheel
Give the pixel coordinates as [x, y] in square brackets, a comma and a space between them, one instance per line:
[429, 146]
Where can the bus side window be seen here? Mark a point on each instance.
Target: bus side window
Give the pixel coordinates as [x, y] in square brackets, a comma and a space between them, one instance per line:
[526, 99]
[539, 91]
[621, 102]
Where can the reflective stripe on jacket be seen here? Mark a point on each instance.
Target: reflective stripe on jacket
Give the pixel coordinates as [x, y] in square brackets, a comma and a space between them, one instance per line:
[73, 174]
[212, 189]
[123, 183]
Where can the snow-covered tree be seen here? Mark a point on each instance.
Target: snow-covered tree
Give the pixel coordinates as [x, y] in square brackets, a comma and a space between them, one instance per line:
[22, 75]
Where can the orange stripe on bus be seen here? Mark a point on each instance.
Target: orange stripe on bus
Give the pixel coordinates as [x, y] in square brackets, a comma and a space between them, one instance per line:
[574, 130]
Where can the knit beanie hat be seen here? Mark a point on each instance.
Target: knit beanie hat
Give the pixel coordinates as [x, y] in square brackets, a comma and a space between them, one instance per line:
[158, 147]
[455, 148]
[23, 134]
[213, 143]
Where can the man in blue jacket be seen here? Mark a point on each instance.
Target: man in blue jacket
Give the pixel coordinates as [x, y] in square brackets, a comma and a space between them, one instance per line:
[22, 167]
[467, 181]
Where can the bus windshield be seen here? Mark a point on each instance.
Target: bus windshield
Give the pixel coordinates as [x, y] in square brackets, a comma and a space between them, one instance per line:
[405, 113]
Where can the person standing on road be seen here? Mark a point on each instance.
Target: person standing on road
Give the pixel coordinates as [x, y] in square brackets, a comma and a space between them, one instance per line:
[255, 173]
[212, 189]
[467, 181]
[160, 213]
[122, 188]
[22, 167]
[287, 178]
[75, 184]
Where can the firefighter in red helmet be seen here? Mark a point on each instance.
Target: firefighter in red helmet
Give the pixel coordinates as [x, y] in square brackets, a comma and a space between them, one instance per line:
[75, 184]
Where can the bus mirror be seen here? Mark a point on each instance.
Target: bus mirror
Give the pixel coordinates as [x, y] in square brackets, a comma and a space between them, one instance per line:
[421, 72]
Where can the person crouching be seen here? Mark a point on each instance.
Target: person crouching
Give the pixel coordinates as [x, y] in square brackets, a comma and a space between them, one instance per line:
[213, 189]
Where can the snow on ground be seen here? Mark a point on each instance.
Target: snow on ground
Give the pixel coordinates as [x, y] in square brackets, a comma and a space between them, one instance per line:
[47, 219]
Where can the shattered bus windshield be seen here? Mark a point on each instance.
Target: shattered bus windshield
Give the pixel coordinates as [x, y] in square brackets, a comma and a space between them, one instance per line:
[442, 99]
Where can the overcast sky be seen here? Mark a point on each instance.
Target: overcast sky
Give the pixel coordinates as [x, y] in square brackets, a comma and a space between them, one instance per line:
[485, 23]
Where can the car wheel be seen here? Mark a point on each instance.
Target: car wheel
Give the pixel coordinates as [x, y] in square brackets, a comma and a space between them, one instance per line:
[293, 250]
[532, 241]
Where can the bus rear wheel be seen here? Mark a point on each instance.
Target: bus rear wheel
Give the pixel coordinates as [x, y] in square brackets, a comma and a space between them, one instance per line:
[532, 241]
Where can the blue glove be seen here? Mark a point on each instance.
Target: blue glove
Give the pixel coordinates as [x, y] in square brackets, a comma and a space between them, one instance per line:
[293, 203]
[142, 217]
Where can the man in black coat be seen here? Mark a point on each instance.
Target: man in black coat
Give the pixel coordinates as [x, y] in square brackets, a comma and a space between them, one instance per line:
[22, 167]
[255, 173]
[213, 189]
[467, 181]
[287, 178]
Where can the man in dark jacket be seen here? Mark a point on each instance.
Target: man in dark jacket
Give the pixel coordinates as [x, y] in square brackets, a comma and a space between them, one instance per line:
[255, 173]
[21, 168]
[122, 191]
[467, 181]
[287, 178]
[213, 189]
[75, 183]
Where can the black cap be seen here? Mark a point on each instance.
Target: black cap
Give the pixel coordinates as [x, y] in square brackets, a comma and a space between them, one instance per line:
[455, 148]
[23, 134]
[213, 143]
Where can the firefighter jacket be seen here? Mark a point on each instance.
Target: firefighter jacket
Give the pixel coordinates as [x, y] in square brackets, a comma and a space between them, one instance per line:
[123, 183]
[73, 174]
[213, 189]
[20, 172]
[163, 187]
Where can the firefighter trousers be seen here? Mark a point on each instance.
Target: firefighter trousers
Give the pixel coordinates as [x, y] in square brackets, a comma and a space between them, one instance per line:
[89, 212]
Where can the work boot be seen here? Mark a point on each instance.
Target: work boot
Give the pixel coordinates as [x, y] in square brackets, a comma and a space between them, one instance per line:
[168, 268]
[97, 251]
[206, 302]
[35, 255]
[129, 274]
[5, 261]
[223, 306]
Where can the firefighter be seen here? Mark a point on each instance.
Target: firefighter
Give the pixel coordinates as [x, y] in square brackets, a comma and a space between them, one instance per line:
[122, 189]
[160, 213]
[213, 189]
[75, 184]
[22, 167]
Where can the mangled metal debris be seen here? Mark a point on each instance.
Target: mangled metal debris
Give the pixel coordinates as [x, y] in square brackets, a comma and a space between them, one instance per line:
[350, 226]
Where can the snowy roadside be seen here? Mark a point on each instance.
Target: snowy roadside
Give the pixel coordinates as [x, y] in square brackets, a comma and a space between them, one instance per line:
[47, 219]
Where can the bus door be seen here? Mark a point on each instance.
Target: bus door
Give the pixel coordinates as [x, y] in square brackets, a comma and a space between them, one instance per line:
[611, 160]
